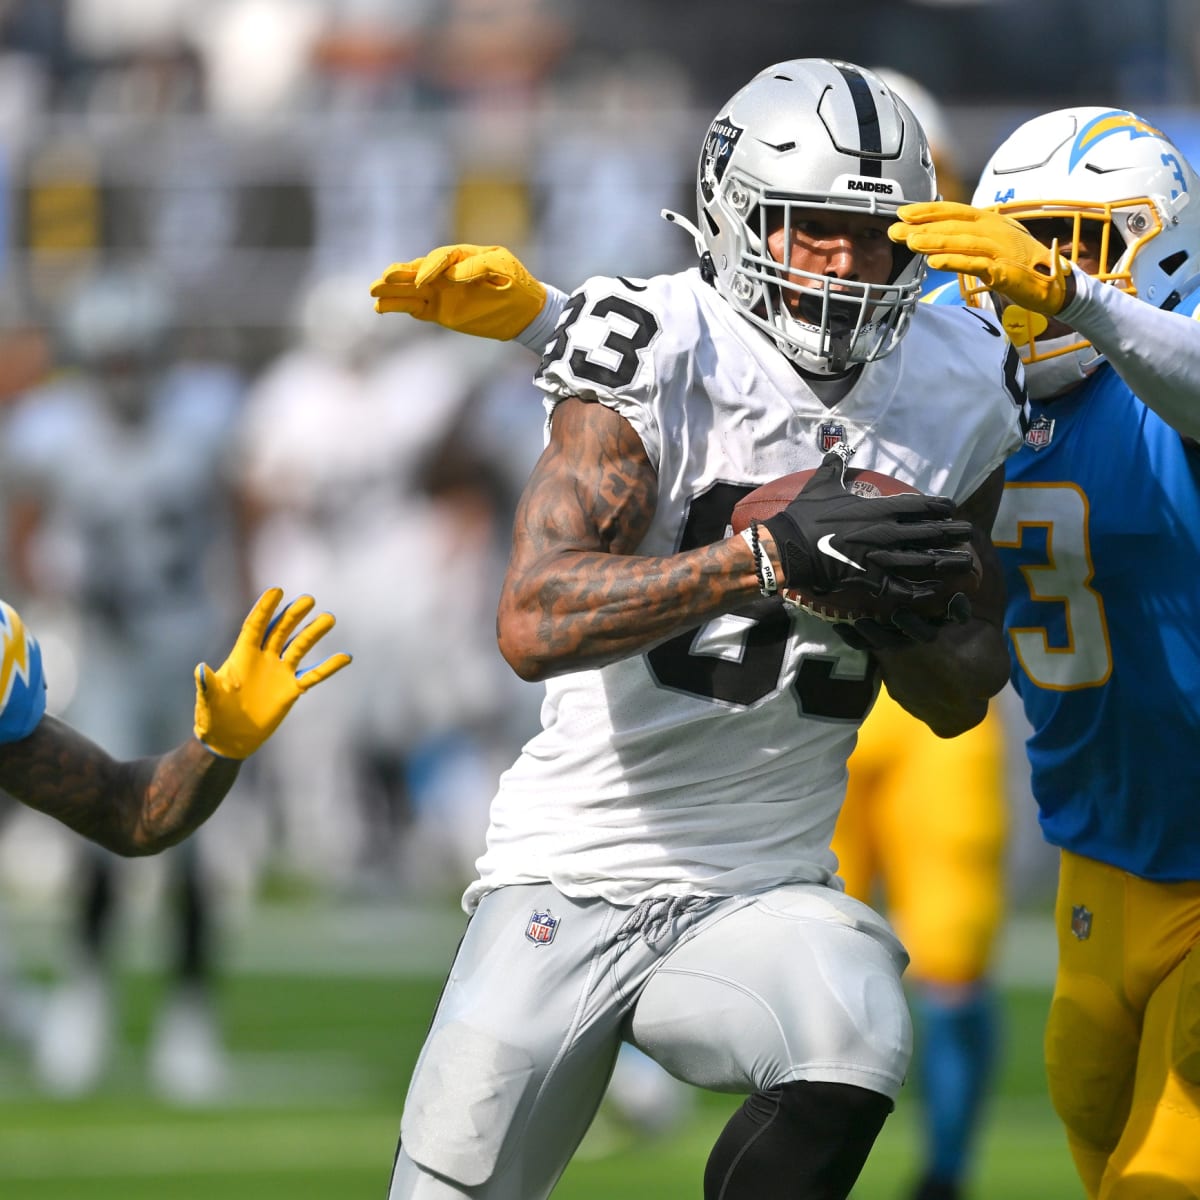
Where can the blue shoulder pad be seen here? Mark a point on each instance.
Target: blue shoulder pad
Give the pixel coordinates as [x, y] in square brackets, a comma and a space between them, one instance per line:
[22, 683]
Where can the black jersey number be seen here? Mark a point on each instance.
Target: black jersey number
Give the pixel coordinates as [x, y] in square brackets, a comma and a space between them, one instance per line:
[821, 687]
[625, 345]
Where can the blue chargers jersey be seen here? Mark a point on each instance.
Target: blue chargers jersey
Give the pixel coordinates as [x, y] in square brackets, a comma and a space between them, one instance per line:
[22, 684]
[935, 279]
[1099, 537]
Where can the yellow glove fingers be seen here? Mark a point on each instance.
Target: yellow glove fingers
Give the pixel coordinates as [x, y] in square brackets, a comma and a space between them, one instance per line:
[239, 705]
[293, 653]
[437, 261]
[258, 620]
[284, 625]
[491, 266]
[1003, 245]
[397, 273]
[413, 306]
[941, 225]
[962, 264]
[997, 249]
[484, 291]
[936, 210]
[414, 288]
[950, 238]
[202, 719]
[314, 675]
[402, 277]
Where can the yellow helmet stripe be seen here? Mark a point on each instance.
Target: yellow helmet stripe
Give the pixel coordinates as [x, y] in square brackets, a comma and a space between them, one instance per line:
[15, 664]
[1105, 125]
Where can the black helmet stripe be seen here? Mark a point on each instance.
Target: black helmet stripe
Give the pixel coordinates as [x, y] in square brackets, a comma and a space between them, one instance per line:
[869, 138]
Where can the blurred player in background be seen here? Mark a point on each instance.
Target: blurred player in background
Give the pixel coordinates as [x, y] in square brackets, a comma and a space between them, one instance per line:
[607, 829]
[145, 805]
[118, 512]
[1099, 533]
[924, 818]
[923, 828]
[394, 780]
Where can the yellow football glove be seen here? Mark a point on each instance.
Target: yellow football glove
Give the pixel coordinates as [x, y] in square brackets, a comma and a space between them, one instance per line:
[481, 290]
[998, 250]
[240, 705]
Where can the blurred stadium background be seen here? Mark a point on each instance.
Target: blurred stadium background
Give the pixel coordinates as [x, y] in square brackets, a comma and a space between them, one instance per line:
[196, 400]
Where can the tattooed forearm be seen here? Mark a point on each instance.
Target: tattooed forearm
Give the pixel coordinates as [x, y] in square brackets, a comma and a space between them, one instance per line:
[575, 595]
[132, 808]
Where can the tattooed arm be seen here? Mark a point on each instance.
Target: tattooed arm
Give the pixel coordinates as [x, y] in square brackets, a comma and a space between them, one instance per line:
[147, 804]
[132, 808]
[575, 595]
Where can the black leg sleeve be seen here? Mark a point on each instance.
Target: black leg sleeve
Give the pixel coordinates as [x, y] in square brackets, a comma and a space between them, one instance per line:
[798, 1141]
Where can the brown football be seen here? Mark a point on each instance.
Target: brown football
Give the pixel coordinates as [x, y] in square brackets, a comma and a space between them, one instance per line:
[850, 604]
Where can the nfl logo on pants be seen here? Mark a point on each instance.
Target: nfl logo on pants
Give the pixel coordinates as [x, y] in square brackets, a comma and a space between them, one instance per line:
[541, 928]
[1081, 922]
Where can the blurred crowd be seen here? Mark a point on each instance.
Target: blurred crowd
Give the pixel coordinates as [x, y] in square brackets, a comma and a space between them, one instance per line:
[197, 399]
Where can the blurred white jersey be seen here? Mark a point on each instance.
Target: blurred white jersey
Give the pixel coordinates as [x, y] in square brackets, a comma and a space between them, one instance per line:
[715, 764]
[135, 532]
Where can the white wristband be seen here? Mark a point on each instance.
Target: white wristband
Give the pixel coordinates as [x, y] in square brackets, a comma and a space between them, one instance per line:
[538, 332]
[768, 584]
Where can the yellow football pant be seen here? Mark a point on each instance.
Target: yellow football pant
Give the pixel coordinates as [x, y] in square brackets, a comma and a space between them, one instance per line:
[1123, 1036]
[925, 819]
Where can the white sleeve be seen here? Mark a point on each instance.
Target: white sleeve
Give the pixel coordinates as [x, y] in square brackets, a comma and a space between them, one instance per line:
[537, 333]
[1156, 352]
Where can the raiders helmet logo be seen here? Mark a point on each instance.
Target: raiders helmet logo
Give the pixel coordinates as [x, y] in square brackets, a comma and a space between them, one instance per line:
[722, 136]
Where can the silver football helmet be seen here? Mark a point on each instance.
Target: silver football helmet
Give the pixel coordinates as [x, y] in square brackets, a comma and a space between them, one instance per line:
[1109, 172]
[811, 133]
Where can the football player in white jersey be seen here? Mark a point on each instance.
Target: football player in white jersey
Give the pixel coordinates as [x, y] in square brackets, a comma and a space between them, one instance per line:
[144, 805]
[657, 866]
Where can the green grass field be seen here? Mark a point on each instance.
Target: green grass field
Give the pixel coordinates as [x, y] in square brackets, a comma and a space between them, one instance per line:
[321, 1062]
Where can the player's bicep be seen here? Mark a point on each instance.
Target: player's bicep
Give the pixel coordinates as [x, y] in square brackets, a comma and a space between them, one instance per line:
[593, 489]
[58, 771]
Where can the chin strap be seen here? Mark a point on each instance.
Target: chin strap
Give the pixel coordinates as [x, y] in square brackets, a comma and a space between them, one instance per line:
[675, 218]
[708, 270]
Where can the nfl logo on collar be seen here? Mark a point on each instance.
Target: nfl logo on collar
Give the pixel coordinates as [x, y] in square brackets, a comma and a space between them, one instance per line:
[542, 928]
[830, 434]
[1041, 430]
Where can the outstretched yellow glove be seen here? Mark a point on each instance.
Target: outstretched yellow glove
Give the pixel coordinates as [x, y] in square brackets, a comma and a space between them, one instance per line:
[481, 290]
[240, 705]
[998, 250]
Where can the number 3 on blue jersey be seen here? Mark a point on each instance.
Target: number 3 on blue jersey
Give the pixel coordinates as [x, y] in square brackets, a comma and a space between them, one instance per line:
[1071, 650]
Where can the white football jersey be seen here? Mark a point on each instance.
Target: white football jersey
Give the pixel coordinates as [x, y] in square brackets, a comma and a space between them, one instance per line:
[715, 763]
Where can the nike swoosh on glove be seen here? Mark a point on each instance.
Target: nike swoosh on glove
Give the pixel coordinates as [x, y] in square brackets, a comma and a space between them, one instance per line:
[829, 539]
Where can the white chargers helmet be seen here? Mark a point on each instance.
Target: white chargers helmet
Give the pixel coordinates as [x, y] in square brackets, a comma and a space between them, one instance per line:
[811, 133]
[1106, 172]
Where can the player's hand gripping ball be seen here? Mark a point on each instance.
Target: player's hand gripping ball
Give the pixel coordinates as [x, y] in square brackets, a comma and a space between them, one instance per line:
[850, 604]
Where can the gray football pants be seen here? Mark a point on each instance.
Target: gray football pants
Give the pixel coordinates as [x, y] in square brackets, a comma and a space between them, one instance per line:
[735, 995]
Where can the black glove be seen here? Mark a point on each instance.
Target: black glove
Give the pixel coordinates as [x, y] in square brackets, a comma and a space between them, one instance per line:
[830, 539]
[905, 628]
